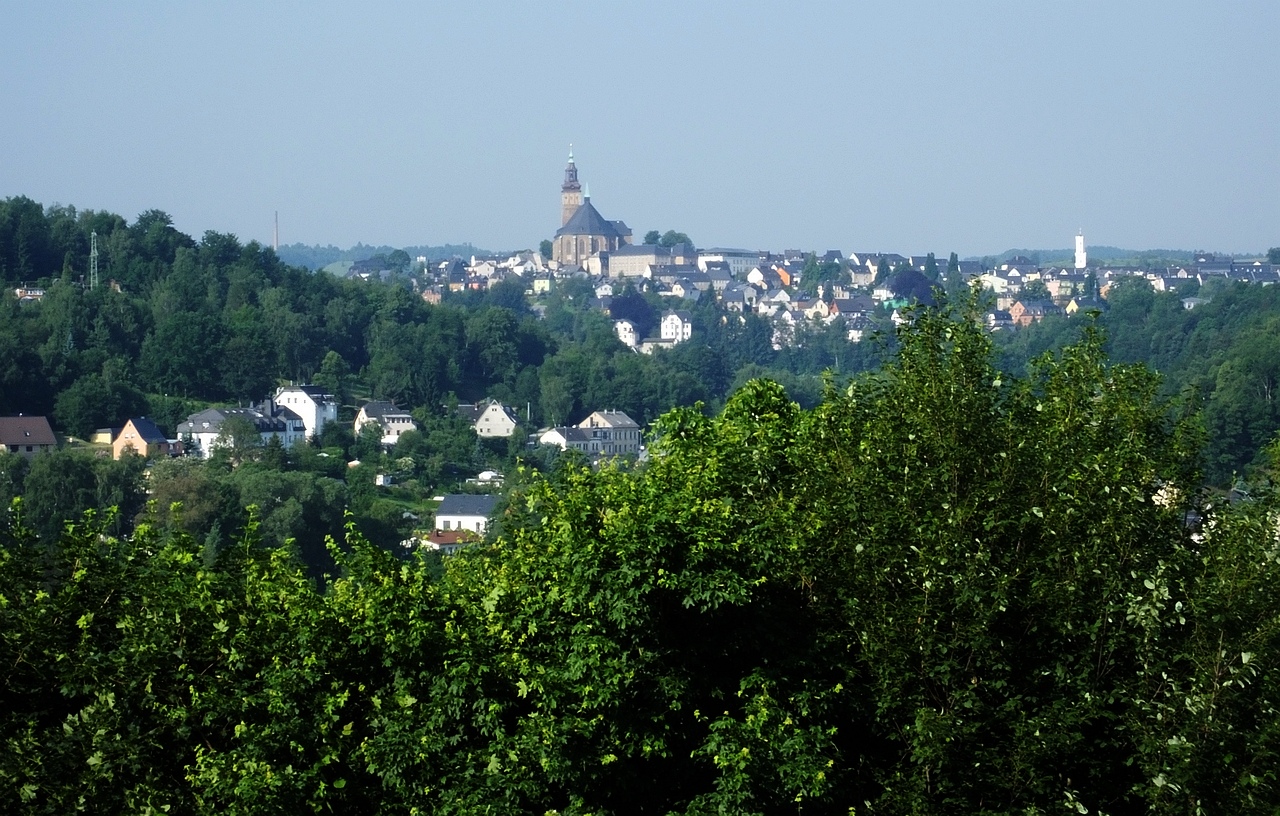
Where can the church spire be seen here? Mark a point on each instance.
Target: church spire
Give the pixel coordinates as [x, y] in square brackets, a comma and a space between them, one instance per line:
[570, 191]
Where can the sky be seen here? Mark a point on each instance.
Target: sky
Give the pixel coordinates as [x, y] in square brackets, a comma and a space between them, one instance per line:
[903, 126]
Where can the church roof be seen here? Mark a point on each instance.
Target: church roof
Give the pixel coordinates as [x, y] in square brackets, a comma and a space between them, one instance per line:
[587, 220]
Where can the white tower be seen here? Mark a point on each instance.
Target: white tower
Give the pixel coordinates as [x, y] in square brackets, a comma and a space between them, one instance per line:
[1081, 260]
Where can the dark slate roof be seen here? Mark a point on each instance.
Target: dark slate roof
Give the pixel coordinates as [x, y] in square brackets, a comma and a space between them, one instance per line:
[467, 504]
[587, 220]
[1040, 307]
[379, 409]
[147, 429]
[262, 422]
[642, 249]
[26, 430]
[855, 304]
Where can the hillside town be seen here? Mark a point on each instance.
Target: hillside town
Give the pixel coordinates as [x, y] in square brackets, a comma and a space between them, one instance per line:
[792, 288]
[789, 296]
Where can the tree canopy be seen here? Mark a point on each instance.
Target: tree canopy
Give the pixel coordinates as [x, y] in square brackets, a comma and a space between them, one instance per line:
[943, 589]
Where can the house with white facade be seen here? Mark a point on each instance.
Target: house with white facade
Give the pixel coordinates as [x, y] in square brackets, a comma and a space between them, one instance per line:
[676, 326]
[311, 402]
[604, 433]
[626, 331]
[739, 261]
[392, 420]
[490, 419]
[465, 511]
[205, 428]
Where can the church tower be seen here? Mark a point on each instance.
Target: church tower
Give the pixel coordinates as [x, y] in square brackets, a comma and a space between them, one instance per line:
[1081, 258]
[570, 191]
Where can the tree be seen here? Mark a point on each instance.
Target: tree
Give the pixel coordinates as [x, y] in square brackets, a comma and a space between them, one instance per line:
[544, 248]
[931, 267]
[333, 375]
[652, 238]
[670, 238]
[59, 487]
[1273, 255]
[238, 442]
[1034, 290]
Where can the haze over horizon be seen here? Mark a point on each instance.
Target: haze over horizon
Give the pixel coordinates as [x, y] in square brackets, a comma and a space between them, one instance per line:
[902, 127]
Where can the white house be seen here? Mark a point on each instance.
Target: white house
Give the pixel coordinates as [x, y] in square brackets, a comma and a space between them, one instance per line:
[626, 331]
[269, 420]
[316, 407]
[465, 511]
[490, 419]
[604, 433]
[391, 419]
[676, 326]
[739, 261]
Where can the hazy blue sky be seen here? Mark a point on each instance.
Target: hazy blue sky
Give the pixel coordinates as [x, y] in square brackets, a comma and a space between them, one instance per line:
[906, 125]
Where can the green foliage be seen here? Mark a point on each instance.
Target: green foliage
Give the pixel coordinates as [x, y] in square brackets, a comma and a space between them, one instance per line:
[942, 590]
[667, 239]
[1223, 351]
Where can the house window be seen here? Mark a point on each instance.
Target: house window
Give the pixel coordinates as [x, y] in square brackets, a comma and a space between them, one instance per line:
[444, 526]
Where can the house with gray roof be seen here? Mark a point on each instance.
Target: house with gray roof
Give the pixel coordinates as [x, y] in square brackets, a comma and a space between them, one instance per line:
[465, 511]
[26, 436]
[490, 419]
[392, 420]
[205, 428]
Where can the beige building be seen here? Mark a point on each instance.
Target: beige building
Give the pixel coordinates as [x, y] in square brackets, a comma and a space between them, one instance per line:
[604, 433]
[144, 438]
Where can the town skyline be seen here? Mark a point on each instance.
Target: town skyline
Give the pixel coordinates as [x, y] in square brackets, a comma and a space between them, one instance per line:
[906, 126]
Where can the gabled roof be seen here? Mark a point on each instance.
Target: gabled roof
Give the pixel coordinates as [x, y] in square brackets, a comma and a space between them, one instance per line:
[147, 430]
[587, 220]
[378, 409]
[467, 504]
[608, 419]
[214, 417]
[26, 430]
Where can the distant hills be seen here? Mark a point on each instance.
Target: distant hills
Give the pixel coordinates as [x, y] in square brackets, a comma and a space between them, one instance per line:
[318, 257]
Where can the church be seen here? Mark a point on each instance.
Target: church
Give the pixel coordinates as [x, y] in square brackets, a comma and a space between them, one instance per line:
[583, 232]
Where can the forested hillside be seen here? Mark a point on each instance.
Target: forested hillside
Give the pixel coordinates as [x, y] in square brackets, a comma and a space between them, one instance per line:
[177, 324]
[1224, 355]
